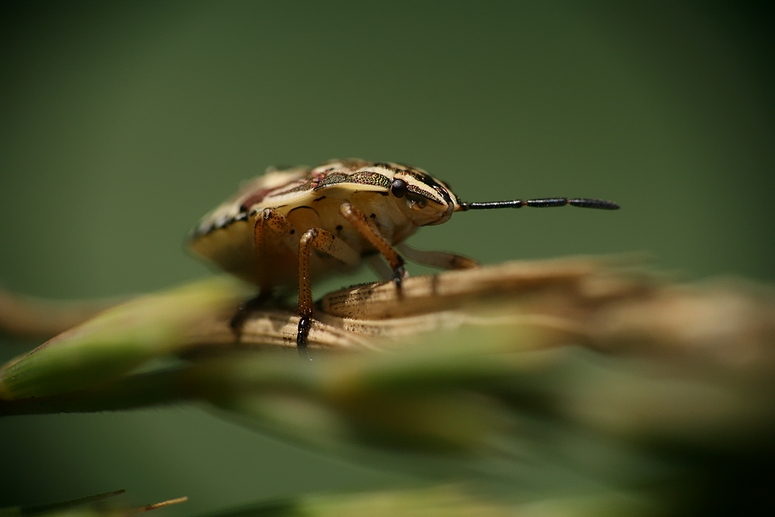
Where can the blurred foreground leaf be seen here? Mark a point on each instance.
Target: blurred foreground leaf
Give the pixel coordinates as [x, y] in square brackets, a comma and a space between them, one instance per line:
[534, 383]
[442, 501]
[115, 341]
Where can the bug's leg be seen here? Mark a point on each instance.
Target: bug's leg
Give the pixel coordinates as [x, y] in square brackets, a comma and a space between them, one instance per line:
[439, 259]
[366, 228]
[327, 242]
[267, 220]
[380, 267]
[270, 220]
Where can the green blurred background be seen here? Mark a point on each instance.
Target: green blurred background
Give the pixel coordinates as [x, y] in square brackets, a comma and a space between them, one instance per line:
[122, 123]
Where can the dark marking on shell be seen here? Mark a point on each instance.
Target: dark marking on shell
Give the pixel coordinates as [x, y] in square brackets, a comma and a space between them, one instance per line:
[332, 178]
[222, 221]
[252, 199]
[371, 178]
[307, 185]
[219, 224]
[357, 178]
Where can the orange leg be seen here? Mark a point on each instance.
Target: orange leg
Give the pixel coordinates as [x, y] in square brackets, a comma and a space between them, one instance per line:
[319, 239]
[267, 220]
[270, 220]
[361, 223]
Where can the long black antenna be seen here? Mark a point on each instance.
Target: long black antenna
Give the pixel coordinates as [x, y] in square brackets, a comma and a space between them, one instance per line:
[582, 202]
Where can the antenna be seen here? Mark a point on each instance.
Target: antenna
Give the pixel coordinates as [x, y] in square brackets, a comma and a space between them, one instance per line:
[583, 202]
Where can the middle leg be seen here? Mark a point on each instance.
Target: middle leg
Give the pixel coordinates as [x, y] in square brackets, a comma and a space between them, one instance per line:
[327, 242]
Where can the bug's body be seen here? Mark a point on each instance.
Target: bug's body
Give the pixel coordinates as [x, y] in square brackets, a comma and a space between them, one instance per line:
[290, 227]
[310, 198]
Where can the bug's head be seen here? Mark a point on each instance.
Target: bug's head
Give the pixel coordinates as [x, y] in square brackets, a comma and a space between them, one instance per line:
[422, 198]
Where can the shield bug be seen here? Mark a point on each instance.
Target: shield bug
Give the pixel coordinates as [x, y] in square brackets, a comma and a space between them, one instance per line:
[290, 227]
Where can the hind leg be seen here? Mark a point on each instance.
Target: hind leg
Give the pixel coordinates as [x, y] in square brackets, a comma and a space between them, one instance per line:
[439, 259]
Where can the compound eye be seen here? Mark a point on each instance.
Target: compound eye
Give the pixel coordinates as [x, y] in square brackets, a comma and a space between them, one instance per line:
[398, 188]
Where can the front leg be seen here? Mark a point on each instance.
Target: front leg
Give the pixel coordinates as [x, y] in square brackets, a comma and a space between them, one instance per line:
[327, 242]
[361, 223]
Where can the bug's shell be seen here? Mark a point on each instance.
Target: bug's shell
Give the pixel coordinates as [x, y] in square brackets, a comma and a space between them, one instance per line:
[308, 198]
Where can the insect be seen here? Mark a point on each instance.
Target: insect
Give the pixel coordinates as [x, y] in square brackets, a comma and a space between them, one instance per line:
[292, 226]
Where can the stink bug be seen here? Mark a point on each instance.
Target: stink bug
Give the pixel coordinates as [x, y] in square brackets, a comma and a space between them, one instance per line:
[293, 226]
